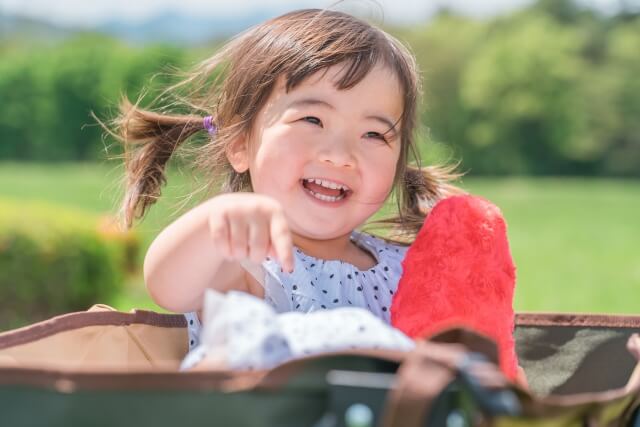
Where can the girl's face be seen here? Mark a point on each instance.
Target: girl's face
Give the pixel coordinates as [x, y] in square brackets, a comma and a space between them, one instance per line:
[317, 136]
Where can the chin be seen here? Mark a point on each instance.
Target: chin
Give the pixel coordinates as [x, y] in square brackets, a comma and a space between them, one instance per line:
[318, 232]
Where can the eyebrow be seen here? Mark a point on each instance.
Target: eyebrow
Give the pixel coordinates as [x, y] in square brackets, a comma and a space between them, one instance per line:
[305, 102]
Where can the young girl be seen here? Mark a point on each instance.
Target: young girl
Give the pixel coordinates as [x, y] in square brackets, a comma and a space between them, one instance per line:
[309, 121]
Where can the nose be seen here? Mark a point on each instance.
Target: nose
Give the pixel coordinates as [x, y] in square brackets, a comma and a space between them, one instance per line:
[337, 151]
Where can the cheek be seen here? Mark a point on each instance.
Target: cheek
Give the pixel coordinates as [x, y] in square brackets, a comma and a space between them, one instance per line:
[381, 173]
[277, 163]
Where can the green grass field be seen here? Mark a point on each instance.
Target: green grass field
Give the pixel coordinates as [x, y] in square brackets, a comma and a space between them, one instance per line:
[576, 242]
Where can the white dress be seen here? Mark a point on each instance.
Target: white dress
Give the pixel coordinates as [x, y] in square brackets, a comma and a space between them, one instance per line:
[337, 293]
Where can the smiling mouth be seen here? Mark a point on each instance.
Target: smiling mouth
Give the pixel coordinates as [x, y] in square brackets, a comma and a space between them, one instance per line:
[320, 190]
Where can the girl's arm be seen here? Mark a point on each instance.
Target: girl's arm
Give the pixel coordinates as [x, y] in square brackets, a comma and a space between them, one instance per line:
[203, 248]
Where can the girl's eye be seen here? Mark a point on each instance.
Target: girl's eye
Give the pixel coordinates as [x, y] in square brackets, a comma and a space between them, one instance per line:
[376, 135]
[313, 120]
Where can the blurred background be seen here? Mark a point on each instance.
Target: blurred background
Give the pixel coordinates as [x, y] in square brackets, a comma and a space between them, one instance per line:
[538, 100]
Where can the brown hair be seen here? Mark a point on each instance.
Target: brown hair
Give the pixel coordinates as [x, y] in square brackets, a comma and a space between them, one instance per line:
[234, 84]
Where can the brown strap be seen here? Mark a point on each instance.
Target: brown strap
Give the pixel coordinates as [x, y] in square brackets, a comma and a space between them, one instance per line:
[431, 367]
[424, 374]
[633, 345]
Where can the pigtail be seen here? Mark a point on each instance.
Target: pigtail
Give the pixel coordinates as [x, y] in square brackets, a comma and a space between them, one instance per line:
[149, 140]
[422, 189]
[419, 189]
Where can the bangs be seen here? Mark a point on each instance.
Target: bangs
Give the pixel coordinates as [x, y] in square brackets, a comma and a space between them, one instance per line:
[316, 40]
[356, 66]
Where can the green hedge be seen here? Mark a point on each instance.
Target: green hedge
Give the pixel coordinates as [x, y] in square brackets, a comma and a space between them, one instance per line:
[55, 260]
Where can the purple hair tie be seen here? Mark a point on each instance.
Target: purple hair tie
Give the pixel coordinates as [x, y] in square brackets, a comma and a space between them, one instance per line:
[207, 123]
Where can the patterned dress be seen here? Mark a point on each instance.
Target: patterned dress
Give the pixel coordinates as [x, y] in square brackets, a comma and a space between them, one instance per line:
[324, 305]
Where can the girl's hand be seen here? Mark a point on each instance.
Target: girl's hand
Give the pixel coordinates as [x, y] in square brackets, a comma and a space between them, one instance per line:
[250, 225]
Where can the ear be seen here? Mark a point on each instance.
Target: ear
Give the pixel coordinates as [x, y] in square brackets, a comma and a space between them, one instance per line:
[238, 154]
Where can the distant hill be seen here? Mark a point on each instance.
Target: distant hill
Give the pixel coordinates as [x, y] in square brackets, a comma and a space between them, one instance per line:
[176, 28]
[28, 28]
[183, 29]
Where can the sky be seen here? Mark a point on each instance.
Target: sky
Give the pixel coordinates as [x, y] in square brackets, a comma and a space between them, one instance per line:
[94, 12]
[88, 13]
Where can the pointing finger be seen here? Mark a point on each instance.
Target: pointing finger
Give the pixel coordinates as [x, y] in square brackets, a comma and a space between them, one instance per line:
[281, 241]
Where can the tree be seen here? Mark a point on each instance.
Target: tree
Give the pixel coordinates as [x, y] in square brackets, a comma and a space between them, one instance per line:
[523, 90]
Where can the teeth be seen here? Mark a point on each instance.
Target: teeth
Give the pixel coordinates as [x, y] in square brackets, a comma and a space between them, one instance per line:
[326, 198]
[327, 184]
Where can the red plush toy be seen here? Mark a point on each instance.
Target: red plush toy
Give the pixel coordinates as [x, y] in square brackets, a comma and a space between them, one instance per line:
[459, 272]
